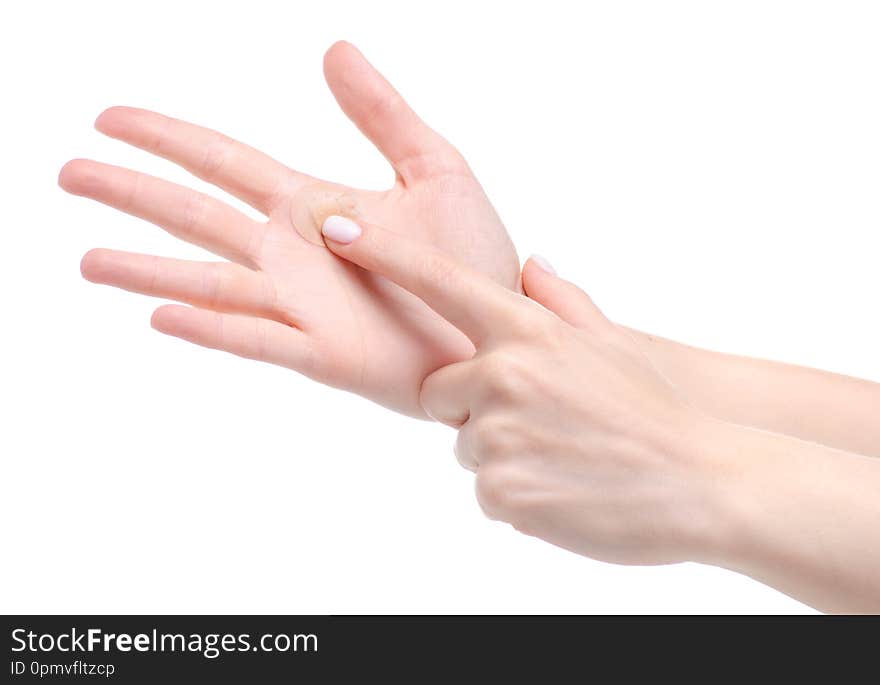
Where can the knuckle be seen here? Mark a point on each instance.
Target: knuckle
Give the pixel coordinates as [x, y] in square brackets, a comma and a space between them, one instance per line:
[497, 490]
[261, 340]
[444, 164]
[154, 269]
[193, 216]
[312, 363]
[550, 332]
[217, 157]
[492, 495]
[222, 339]
[500, 363]
[544, 328]
[464, 458]
[387, 106]
[493, 438]
[213, 284]
[524, 322]
[134, 193]
[507, 374]
[254, 243]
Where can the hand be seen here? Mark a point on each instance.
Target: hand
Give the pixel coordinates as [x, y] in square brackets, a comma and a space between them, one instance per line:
[283, 298]
[574, 436]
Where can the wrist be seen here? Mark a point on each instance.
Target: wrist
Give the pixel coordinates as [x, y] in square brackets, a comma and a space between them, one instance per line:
[723, 494]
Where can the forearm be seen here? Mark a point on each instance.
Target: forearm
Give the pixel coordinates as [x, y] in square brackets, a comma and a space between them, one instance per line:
[798, 516]
[831, 409]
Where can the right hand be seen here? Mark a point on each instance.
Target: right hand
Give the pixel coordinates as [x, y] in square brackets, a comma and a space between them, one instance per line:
[574, 436]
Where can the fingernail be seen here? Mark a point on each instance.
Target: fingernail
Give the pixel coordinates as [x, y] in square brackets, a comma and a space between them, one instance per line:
[543, 263]
[340, 230]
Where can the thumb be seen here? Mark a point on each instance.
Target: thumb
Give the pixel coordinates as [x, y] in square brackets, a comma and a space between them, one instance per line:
[412, 147]
[565, 299]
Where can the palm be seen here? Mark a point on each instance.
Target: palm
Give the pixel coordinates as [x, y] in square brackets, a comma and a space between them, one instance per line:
[283, 297]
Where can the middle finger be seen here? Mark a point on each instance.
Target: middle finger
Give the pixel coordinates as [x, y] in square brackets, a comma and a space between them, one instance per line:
[192, 216]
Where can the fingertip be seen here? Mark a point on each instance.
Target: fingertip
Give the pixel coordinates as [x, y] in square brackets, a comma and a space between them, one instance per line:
[169, 318]
[535, 270]
[339, 47]
[95, 265]
[336, 55]
[560, 296]
[340, 229]
[73, 174]
[542, 263]
[108, 117]
[113, 120]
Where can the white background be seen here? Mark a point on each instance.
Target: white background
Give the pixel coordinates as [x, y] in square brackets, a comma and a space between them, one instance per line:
[707, 171]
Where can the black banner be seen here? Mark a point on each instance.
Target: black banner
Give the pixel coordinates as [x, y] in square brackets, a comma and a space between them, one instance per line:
[269, 649]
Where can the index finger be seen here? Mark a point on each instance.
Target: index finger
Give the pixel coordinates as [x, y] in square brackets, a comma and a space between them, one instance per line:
[472, 302]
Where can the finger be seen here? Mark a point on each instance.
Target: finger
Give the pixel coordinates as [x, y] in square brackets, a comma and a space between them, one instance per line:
[185, 213]
[220, 286]
[565, 299]
[447, 394]
[245, 336]
[414, 149]
[467, 446]
[476, 305]
[239, 169]
[464, 453]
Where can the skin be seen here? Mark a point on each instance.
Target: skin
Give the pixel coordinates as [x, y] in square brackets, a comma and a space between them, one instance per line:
[282, 297]
[593, 436]
[576, 438]
[819, 406]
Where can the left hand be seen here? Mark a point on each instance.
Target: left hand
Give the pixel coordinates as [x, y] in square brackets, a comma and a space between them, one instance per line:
[281, 297]
[574, 436]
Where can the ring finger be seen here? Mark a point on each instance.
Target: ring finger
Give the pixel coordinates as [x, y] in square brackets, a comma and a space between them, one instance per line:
[220, 286]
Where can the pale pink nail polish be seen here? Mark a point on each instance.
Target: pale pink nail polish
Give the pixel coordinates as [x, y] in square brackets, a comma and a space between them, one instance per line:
[340, 230]
[543, 264]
